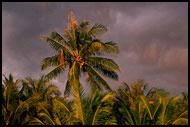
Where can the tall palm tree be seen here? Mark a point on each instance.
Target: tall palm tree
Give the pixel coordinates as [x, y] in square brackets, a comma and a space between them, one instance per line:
[79, 50]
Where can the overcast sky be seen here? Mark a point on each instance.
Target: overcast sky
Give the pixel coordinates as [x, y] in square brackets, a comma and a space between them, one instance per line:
[152, 38]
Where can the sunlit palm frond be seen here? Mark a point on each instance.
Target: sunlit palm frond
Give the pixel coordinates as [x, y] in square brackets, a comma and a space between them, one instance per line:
[45, 116]
[36, 121]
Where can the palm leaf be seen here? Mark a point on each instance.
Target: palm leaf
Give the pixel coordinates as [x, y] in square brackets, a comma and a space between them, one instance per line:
[55, 72]
[105, 63]
[179, 120]
[111, 47]
[93, 82]
[107, 97]
[147, 106]
[51, 89]
[99, 47]
[50, 61]
[46, 116]
[58, 37]
[57, 46]
[61, 104]
[96, 29]
[97, 77]
[36, 121]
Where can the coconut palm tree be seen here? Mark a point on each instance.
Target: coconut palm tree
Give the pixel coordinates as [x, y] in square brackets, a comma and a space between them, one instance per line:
[57, 112]
[80, 50]
[133, 106]
[40, 86]
[10, 98]
[32, 94]
[163, 113]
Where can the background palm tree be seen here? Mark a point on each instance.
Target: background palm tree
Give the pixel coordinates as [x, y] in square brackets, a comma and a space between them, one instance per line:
[133, 107]
[98, 108]
[79, 50]
[10, 97]
[32, 95]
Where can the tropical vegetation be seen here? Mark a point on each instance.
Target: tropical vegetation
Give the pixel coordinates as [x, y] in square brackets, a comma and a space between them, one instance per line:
[81, 54]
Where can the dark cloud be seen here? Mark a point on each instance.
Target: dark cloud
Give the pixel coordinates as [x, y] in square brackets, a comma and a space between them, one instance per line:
[152, 37]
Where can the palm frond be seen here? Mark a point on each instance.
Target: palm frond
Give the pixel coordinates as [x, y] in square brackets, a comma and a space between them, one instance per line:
[71, 39]
[104, 63]
[45, 116]
[36, 121]
[51, 89]
[96, 29]
[55, 72]
[99, 47]
[180, 120]
[104, 109]
[50, 61]
[57, 102]
[58, 37]
[92, 81]
[111, 47]
[97, 77]
[147, 106]
[56, 45]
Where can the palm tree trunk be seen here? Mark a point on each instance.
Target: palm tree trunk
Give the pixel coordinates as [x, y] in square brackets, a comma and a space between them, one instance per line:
[78, 104]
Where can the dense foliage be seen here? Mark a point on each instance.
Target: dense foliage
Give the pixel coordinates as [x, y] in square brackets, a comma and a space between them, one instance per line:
[39, 102]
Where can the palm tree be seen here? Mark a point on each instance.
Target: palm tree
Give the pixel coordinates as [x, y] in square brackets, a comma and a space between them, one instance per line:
[163, 113]
[40, 86]
[10, 98]
[32, 94]
[79, 49]
[57, 112]
[134, 107]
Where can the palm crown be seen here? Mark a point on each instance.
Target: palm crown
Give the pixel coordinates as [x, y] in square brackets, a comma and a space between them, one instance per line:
[80, 50]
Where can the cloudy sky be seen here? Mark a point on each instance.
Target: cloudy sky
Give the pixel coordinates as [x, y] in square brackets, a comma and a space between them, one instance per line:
[152, 38]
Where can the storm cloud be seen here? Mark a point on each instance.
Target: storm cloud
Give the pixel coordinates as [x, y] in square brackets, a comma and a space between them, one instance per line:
[152, 38]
